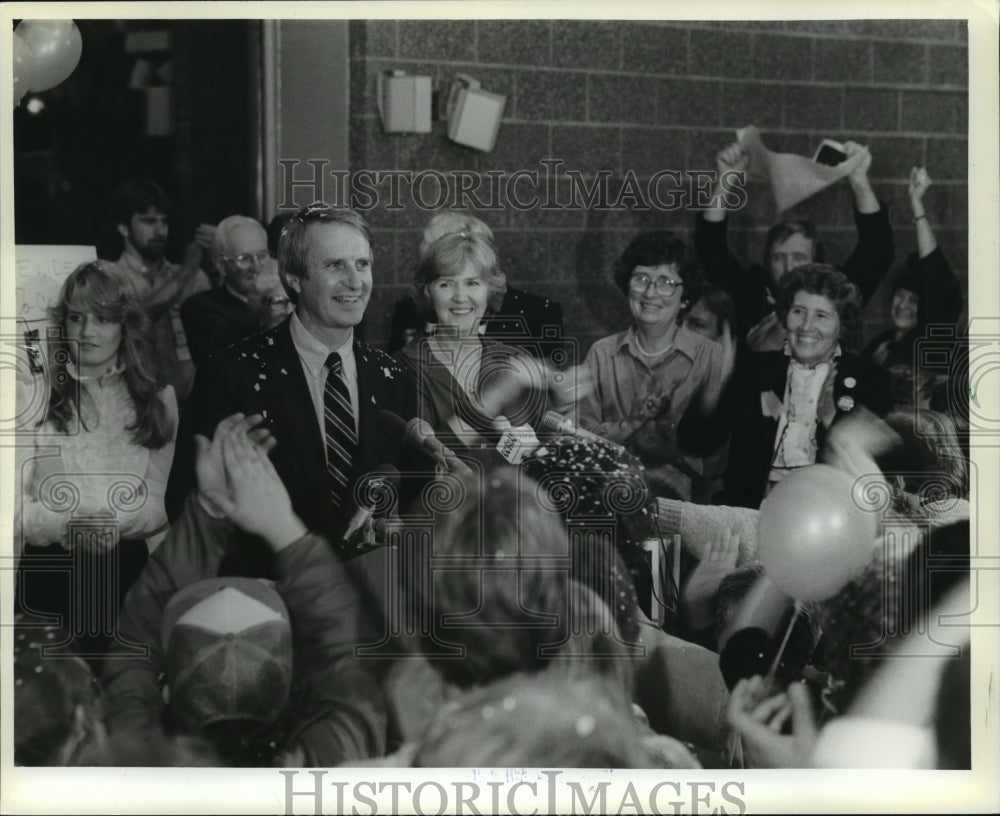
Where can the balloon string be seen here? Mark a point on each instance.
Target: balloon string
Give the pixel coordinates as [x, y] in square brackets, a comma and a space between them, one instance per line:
[781, 649]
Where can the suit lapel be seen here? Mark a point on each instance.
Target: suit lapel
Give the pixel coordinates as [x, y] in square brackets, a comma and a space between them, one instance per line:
[290, 407]
[371, 399]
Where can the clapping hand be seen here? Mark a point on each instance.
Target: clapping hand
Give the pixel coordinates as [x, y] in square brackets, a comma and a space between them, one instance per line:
[257, 500]
[236, 479]
[759, 720]
[210, 465]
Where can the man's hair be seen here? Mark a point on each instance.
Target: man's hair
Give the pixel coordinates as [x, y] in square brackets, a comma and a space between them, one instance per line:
[138, 196]
[654, 249]
[221, 244]
[780, 233]
[293, 247]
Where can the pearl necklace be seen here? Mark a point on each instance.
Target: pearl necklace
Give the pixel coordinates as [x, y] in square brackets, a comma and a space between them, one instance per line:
[645, 353]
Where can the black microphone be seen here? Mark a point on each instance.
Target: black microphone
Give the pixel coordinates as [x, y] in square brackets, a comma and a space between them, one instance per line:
[556, 423]
[418, 434]
[382, 478]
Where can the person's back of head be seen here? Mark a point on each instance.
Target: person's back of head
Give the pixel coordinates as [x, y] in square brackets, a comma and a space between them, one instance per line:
[58, 705]
[228, 647]
[929, 457]
[514, 571]
[551, 719]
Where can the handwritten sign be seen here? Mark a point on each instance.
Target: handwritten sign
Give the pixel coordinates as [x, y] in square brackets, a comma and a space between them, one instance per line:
[39, 273]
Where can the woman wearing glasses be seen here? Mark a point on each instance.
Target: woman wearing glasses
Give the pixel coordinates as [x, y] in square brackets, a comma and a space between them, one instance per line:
[648, 377]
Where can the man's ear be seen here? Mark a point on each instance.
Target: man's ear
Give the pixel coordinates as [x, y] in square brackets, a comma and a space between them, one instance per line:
[293, 283]
[123, 231]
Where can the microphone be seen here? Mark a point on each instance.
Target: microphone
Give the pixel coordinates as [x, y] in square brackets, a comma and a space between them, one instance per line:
[383, 477]
[556, 423]
[418, 434]
[516, 442]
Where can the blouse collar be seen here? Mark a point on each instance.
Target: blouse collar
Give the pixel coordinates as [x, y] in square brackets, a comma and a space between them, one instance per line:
[73, 372]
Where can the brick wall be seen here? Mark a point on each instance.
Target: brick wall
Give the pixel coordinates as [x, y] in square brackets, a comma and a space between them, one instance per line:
[645, 96]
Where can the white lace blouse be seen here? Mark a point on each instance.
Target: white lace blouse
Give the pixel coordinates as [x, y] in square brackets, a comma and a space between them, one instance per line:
[96, 469]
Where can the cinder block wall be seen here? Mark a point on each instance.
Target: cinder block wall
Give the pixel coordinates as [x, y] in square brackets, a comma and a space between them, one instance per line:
[650, 96]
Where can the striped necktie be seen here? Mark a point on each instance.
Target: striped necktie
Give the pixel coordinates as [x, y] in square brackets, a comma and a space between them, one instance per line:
[341, 437]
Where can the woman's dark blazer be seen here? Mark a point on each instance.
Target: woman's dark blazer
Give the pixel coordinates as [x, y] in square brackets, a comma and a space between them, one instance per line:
[857, 381]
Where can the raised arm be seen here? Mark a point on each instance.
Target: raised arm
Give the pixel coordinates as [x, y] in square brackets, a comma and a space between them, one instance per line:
[873, 254]
[711, 242]
[192, 551]
[345, 718]
[940, 297]
[919, 182]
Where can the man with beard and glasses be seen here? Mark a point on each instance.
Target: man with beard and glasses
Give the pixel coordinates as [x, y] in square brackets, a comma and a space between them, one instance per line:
[141, 210]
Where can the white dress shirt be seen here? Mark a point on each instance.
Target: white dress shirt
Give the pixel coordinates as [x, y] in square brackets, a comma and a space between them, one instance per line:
[313, 354]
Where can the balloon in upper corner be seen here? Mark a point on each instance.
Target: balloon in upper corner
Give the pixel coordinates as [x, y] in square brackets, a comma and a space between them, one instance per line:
[55, 47]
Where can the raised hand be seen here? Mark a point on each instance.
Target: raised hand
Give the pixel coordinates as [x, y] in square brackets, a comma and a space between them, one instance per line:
[204, 236]
[861, 170]
[209, 463]
[919, 182]
[256, 498]
[711, 393]
[865, 200]
[698, 595]
[732, 158]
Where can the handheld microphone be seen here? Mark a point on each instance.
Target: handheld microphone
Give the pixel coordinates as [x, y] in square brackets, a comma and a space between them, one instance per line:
[418, 434]
[556, 423]
[516, 442]
[383, 477]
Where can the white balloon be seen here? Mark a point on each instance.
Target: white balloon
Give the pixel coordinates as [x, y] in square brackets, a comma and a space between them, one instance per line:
[55, 45]
[24, 67]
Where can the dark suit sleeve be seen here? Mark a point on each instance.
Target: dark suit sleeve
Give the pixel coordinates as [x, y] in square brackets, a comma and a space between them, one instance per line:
[722, 269]
[200, 321]
[872, 257]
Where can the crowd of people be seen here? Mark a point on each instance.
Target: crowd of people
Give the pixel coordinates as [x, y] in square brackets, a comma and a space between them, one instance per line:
[265, 541]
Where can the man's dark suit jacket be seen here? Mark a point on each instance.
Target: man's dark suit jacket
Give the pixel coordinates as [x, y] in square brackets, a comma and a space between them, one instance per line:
[214, 319]
[263, 374]
[857, 382]
[526, 321]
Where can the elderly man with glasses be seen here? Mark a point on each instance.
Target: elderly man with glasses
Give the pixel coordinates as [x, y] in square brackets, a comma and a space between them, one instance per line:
[214, 319]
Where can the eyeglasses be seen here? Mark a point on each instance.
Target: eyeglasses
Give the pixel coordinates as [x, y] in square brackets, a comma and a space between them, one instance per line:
[665, 287]
[247, 259]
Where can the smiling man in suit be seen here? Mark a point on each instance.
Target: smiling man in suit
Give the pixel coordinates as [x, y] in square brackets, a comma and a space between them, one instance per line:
[318, 387]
